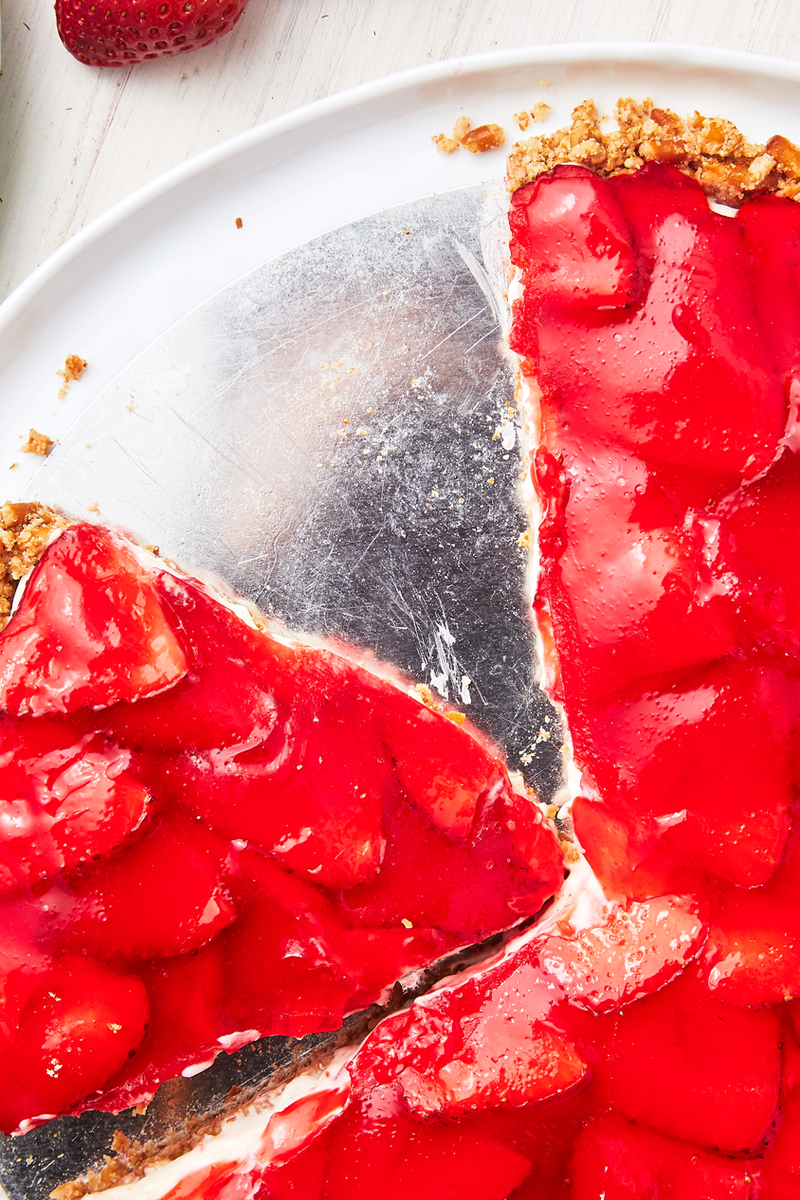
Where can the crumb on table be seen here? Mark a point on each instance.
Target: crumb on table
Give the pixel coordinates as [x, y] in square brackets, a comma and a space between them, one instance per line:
[712, 150]
[38, 443]
[73, 368]
[239, 222]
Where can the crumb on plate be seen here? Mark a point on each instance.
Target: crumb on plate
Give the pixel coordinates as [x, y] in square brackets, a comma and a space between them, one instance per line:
[38, 443]
[73, 368]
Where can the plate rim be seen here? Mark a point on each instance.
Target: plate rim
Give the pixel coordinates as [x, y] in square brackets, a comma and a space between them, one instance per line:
[669, 54]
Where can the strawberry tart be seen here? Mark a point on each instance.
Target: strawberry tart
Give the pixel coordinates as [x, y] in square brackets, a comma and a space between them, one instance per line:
[217, 832]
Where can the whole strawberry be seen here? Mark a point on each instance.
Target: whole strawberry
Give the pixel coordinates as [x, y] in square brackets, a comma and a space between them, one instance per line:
[113, 33]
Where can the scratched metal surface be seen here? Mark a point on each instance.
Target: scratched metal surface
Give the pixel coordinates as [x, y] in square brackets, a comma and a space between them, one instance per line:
[334, 435]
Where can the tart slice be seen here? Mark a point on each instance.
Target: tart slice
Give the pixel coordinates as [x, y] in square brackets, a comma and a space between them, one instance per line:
[212, 833]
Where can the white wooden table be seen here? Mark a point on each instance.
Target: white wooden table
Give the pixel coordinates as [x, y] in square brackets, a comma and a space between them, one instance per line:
[75, 139]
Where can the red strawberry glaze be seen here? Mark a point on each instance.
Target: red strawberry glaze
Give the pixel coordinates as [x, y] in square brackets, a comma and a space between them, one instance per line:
[653, 1049]
[210, 835]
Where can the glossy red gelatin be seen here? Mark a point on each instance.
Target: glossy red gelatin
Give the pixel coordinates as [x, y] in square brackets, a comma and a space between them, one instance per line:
[208, 835]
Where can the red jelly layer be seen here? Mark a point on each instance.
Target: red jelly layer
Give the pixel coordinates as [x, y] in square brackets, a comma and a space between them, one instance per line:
[209, 835]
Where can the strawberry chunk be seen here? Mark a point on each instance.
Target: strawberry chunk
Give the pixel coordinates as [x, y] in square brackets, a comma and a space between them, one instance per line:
[781, 1177]
[80, 1028]
[753, 953]
[691, 1068]
[682, 762]
[164, 896]
[764, 518]
[312, 793]
[510, 865]
[483, 1045]
[228, 695]
[616, 1161]
[444, 771]
[362, 1156]
[573, 241]
[771, 226]
[66, 799]
[680, 376]
[283, 963]
[641, 948]
[89, 630]
[634, 583]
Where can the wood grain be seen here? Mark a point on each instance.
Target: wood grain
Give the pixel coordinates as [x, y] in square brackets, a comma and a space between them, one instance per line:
[74, 139]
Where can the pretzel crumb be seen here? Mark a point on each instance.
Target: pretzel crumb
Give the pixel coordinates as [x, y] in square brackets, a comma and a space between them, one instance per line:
[477, 140]
[73, 368]
[38, 443]
[444, 144]
[712, 150]
[483, 138]
[461, 128]
[25, 532]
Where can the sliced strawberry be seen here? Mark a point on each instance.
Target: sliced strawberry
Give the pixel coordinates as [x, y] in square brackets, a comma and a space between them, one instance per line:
[633, 582]
[89, 630]
[613, 1160]
[227, 697]
[80, 1029]
[482, 1045]
[299, 1123]
[642, 947]
[65, 799]
[681, 375]
[443, 769]
[510, 865]
[573, 241]
[691, 1068]
[365, 1156]
[753, 953]
[164, 896]
[312, 793]
[685, 762]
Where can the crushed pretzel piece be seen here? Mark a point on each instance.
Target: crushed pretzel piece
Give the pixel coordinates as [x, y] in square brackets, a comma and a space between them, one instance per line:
[460, 128]
[785, 154]
[483, 138]
[25, 531]
[710, 149]
[73, 368]
[444, 144]
[38, 443]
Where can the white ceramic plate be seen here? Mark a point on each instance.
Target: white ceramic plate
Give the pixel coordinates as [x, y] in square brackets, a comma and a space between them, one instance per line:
[132, 273]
